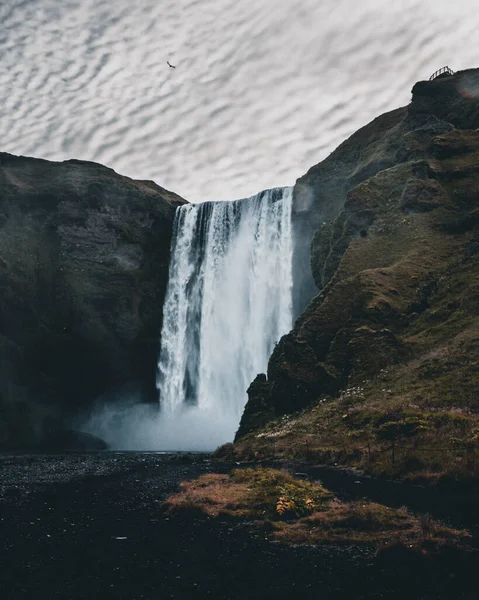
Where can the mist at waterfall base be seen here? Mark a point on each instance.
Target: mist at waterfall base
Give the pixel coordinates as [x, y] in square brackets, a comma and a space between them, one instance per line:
[128, 424]
[228, 301]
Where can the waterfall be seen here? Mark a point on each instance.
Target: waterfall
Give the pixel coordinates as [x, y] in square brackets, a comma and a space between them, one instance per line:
[229, 299]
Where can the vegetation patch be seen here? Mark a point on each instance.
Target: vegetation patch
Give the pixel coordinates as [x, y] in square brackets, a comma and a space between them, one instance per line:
[292, 510]
[254, 493]
[370, 523]
[373, 429]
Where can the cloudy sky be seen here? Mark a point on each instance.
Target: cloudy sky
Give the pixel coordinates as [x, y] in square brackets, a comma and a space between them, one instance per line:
[263, 89]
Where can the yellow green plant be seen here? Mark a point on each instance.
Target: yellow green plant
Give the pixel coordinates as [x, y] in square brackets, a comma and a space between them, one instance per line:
[279, 493]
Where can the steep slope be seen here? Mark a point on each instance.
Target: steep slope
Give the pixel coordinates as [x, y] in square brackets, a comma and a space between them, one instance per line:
[395, 256]
[84, 258]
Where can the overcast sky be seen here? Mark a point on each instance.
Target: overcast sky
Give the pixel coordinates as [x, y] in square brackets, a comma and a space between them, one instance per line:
[263, 89]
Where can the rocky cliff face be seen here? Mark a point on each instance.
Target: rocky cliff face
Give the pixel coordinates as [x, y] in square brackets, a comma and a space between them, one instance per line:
[84, 256]
[394, 254]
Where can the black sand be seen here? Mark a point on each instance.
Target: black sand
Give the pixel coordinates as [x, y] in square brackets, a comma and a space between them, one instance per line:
[91, 526]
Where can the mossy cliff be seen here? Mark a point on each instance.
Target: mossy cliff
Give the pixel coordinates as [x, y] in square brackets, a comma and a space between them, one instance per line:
[395, 258]
[84, 256]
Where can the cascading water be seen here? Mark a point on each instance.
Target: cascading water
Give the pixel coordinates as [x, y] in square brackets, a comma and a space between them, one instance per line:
[229, 299]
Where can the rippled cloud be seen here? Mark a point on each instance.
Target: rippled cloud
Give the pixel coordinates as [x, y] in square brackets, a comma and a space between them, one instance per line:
[262, 89]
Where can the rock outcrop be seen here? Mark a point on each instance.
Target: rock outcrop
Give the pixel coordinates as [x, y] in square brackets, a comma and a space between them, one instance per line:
[394, 254]
[84, 256]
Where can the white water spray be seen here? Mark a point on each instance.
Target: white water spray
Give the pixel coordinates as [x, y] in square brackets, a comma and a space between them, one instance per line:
[229, 299]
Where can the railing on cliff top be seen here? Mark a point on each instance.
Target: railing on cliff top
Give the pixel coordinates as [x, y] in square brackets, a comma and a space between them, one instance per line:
[442, 71]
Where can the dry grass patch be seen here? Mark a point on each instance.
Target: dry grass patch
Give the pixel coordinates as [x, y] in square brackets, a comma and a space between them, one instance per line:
[291, 510]
[371, 523]
[213, 495]
[253, 493]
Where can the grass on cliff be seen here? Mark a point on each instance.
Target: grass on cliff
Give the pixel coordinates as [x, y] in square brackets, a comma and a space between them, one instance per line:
[291, 510]
[416, 420]
[374, 429]
[415, 272]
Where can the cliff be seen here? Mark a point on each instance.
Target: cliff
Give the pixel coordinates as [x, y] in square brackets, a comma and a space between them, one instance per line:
[84, 256]
[394, 328]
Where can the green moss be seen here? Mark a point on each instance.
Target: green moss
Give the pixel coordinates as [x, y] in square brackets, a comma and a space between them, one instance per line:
[275, 493]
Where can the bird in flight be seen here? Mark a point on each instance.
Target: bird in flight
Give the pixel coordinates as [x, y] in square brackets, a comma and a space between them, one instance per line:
[171, 66]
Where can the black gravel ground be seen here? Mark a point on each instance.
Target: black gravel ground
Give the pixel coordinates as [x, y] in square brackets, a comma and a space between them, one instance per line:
[91, 526]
